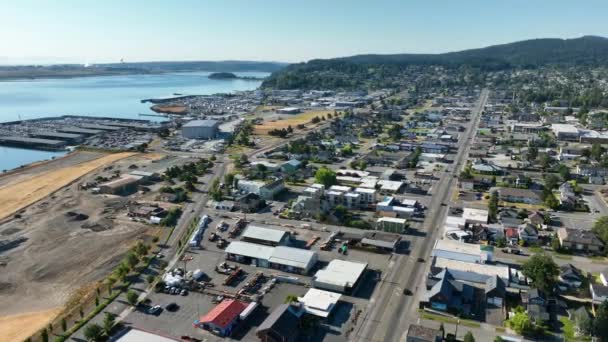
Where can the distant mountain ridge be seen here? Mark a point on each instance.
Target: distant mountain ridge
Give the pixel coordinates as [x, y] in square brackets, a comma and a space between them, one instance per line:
[521, 53]
[586, 50]
[78, 70]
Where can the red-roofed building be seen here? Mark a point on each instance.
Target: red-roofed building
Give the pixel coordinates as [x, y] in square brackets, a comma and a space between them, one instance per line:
[511, 235]
[222, 319]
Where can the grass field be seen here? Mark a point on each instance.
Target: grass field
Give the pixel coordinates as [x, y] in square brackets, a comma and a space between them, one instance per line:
[22, 194]
[292, 120]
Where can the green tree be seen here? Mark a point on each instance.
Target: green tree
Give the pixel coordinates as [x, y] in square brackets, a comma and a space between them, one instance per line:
[493, 205]
[596, 151]
[131, 260]
[551, 201]
[468, 337]
[291, 299]
[600, 325]
[132, 297]
[93, 332]
[498, 339]
[325, 176]
[532, 153]
[600, 227]
[520, 322]
[44, 335]
[542, 270]
[229, 179]
[108, 323]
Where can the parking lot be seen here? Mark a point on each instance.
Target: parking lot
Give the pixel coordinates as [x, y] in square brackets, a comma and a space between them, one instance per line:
[336, 328]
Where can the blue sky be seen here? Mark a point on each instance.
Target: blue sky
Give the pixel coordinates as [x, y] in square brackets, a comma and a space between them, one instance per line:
[80, 31]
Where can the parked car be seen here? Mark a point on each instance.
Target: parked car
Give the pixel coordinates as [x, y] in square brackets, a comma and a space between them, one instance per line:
[155, 310]
[172, 307]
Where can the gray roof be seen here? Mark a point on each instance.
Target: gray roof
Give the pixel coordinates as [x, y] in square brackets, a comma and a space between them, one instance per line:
[282, 321]
[295, 257]
[201, 123]
[422, 333]
[264, 233]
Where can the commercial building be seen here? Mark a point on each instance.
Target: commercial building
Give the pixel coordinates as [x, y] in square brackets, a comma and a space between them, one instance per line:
[382, 242]
[475, 216]
[282, 325]
[138, 335]
[565, 132]
[461, 251]
[223, 318]
[200, 129]
[339, 276]
[266, 190]
[391, 224]
[288, 259]
[265, 235]
[419, 333]
[319, 303]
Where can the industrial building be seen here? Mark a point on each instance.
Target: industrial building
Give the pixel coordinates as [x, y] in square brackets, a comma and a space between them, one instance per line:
[339, 276]
[288, 259]
[265, 236]
[200, 129]
[71, 138]
[45, 144]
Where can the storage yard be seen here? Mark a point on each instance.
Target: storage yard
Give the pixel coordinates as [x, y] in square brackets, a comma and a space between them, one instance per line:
[61, 132]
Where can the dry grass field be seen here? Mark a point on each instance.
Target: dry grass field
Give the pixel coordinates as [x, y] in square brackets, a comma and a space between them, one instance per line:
[19, 327]
[16, 196]
[285, 121]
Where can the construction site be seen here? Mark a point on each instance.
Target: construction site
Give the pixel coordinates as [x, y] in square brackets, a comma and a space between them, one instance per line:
[58, 237]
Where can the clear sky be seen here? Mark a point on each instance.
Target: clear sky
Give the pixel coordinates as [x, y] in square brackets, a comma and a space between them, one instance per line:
[48, 31]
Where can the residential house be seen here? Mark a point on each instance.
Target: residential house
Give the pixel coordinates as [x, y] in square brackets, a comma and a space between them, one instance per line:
[567, 197]
[291, 166]
[579, 240]
[599, 293]
[450, 295]
[536, 304]
[512, 236]
[528, 233]
[570, 277]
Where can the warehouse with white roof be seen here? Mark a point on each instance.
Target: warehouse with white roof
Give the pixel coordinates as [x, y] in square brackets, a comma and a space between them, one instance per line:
[265, 235]
[288, 259]
[339, 276]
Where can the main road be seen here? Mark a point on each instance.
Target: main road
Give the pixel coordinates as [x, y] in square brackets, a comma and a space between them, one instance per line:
[387, 315]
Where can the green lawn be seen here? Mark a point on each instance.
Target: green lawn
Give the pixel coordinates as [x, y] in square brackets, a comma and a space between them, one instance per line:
[450, 320]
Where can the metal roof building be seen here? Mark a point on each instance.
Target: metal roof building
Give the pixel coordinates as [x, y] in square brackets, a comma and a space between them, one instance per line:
[288, 259]
[200, 129]
[293, 259]
[339, 276]
[265, 235]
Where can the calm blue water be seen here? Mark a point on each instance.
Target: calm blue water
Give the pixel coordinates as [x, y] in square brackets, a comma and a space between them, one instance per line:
[112, 96]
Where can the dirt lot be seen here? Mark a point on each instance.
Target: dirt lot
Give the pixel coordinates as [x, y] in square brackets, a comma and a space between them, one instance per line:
[47, 254]
[11, 327]
[279, 121]
[17, 195]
